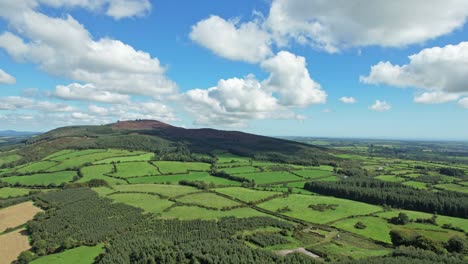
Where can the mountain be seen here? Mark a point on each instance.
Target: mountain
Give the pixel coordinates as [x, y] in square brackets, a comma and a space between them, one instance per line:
[12, 133]
[172, 142]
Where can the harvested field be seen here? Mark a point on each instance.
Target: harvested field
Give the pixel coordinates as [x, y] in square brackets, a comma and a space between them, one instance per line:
[17, 215]
[12, 245]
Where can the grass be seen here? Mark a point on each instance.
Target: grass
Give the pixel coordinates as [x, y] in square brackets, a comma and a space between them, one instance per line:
[390, 178]
[299, 205]
[67, 154]
[39, 166]
[103, 191]
[43, 179]
[192, 176]
[377, 228]
[417, 185]
[313, 173]
[8, 192]
[79, 255]
[163, 189]
[141, 157]
[135, 169]
[271, 177]
[194, 212]
[149, 203]
[237, 170]
[59, 153]
[231, 158]
[331, 179]
[176, 167]
[339, 248]
[97, 172]
[208, 199]
[452, 187]
[9, 158]
[244, 194]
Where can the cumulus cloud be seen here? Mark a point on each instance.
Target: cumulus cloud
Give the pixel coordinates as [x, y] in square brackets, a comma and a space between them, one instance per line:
[64, 48]
[380, 106]
[23, 103]
[235, 101]
[439, 70]
[332, 25]
[88, 92]
[6, 78]
[229, 39]
[348, 100]
[290, 79]
[464, 102]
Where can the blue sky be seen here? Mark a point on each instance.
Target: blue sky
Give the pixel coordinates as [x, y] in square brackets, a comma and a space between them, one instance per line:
[285, 68]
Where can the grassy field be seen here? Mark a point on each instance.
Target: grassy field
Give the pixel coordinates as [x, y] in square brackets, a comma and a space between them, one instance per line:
[43, 179]
[79, 255]
[194, 212]
[231, 158]
[135, 169]
[244, 194]
[237, 170]
[299, 206]
[163, 189]
[149, 203]
[313, 173]
[66, 154]
[207, 199]
[17, 215]
[36, 167]
[7, 192]
[175, 167]
[141, 157]
[377, 228]
[192, 176]
[415, 184]
[452, 187]
[5, 159]
[271, 177]
[97, 172]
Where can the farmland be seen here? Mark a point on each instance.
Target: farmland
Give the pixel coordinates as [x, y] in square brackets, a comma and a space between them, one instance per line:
[235, 186]
[17, 215]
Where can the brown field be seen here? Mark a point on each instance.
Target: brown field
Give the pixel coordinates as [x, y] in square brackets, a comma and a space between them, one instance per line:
[12, 245]
[17, 215]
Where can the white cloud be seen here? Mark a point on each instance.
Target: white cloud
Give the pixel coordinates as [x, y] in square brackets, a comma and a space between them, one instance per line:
[88, 92]
[235, 101]
[440, 70]
[380, 106]
[463, 102]
[22, 103]
[348, 100]
[229, 39]
[290, 78]
[435, 98]
[334, 25]
[6, 78]
[63, 47]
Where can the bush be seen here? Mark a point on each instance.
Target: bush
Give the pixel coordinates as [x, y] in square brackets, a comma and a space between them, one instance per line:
[360, 225]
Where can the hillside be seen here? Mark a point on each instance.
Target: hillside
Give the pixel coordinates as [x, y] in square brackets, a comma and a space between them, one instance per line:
[162, 138]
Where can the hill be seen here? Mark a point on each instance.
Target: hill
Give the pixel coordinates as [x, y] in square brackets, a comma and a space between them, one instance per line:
[172, 142]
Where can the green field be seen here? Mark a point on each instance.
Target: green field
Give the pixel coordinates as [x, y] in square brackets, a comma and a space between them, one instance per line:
[39, 166]
[207, 199]
[79, 255]
[194, 212]
[149, 203]
[43, 179]
[244, 194]
[271, 177]
[141, 157]
[97, 172]
[231, 158]
[313, 173]
[377, 228]
[162, 189]
[175, 167]
[452, 187]
[415, 184]
[237, 170]
[5, 159]
[7, 192]
[135, 169]
[192, 176]
[299, 205]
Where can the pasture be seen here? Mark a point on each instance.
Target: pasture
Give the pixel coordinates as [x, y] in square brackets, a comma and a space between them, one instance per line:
[79, 255]
[140, 157]
[176, 167]
[39, 166]
[313, 173]
[162, 189]
[7, 192]
[195, 212]
[271, 177]
[376, 228]
[99, 172]
[149, 203]
[244, 194]
[135, 169]
[207, 199]
[192, 176]
[43, 179]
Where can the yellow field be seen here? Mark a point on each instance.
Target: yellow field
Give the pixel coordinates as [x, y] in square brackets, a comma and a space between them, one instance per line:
[17, 215]
[12, 245]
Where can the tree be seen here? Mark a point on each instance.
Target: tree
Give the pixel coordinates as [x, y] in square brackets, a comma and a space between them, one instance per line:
[456, 244]
[401, 219]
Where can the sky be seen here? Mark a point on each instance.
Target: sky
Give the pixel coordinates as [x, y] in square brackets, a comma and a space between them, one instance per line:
[354, 68]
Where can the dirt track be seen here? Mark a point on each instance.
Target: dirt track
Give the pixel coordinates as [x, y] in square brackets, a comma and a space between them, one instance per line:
[17, 215]
[298, 250]
[12, 244]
